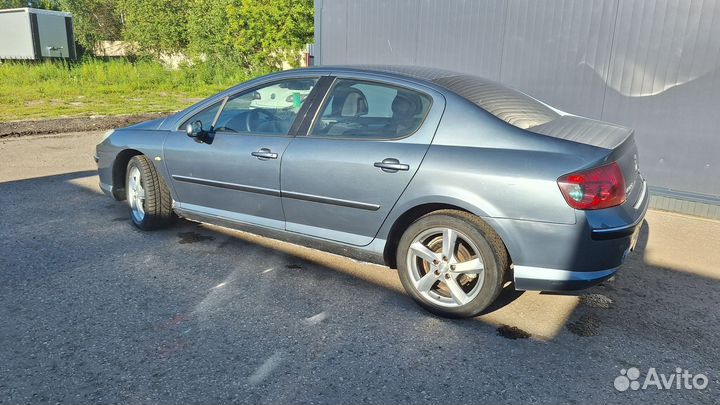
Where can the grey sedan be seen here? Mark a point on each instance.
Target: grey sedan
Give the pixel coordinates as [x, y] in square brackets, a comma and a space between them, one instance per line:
[462, 184]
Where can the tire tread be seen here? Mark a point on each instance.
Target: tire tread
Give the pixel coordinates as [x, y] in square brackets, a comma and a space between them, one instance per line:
[158, 200]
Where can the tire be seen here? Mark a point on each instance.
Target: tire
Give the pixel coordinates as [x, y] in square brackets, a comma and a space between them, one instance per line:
[477, 263]
[154, 211]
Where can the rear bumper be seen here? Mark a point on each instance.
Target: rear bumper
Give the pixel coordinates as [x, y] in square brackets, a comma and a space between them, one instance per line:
[617, 232]
[542, 279]
[561, 257]
[545, 279]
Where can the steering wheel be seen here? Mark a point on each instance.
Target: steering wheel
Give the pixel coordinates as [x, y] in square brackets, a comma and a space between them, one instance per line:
[252, 118]
[224, 129]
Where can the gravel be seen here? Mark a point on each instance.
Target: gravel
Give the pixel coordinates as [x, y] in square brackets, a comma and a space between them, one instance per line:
[78, 124]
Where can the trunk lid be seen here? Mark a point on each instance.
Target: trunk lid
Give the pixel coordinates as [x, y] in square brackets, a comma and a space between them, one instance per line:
[584, 130]
[618, 141]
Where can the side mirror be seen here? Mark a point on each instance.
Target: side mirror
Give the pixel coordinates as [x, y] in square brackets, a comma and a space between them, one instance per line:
[195, 130]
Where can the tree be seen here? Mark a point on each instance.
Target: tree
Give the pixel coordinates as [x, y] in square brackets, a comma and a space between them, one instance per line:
[270, 32]
[156, 27]
[44, 4]
[93, 20]
[256, 35]
[208, 30]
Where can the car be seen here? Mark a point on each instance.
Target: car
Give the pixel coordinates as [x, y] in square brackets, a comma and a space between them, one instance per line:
[463, 185]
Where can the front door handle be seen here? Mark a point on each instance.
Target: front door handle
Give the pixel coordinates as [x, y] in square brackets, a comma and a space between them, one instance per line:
[391, 165]
[264, 154]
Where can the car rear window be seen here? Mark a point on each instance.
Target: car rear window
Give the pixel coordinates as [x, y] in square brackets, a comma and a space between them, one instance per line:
[509, 105]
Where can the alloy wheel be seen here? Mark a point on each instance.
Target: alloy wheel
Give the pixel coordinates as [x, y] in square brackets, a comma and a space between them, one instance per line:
[445, 267]
[136, 194]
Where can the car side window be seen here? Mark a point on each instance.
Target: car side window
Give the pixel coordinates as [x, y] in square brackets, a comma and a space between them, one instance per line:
[361, 109]
[267, 110]
[205, 116]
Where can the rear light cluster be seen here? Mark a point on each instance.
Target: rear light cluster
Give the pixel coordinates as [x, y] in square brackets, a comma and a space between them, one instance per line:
[592, 189]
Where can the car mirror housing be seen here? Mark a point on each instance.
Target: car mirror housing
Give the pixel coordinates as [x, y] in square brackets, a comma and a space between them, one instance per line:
[195, 130]
[190, 131]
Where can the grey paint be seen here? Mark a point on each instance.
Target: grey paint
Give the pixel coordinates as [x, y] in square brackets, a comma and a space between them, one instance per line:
[396, 42]
[480, 20]
[53, 36]
[16, 38]
[348, 164]
[228, 160]
[549, 46]
[462, 156]
[652, 65]
[49, 33]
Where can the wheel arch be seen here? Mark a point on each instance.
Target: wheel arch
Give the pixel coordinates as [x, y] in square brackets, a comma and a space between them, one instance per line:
[411, 214]
[119, 171]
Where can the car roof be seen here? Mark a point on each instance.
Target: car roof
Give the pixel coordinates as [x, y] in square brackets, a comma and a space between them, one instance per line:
[427, 74]
[508, 104]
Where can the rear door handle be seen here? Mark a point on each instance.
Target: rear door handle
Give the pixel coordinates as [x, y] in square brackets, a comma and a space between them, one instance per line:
[391, 165]
[264, 154]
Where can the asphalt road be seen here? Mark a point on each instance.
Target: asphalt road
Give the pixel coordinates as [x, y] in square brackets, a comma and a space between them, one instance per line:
[94, 310]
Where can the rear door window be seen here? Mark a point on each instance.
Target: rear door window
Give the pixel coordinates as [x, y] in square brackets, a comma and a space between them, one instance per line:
[362, 109]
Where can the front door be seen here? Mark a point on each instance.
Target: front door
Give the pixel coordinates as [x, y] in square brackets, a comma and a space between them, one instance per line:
[341, 180]
[236, 174]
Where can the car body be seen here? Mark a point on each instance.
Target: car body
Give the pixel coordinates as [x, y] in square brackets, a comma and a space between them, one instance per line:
[349, 173]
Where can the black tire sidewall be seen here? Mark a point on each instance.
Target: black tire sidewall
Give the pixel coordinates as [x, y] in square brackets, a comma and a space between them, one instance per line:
[492, 262]
[158, 201]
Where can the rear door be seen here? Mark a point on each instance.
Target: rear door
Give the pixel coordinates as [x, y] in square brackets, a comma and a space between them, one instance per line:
[341, 179]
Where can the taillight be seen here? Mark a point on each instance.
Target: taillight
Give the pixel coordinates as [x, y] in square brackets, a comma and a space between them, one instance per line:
[592, 189]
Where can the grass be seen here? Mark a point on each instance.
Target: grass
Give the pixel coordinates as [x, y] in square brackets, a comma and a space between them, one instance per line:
[96, 87]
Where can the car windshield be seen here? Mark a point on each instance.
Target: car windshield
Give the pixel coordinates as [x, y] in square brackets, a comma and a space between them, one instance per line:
[509, 105]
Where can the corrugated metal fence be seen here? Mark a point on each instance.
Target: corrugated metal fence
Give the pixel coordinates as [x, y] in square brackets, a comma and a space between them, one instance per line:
[653, 65]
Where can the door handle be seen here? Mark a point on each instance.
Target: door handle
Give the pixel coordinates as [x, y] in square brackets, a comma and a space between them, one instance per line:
[264, 154]
[391, 165]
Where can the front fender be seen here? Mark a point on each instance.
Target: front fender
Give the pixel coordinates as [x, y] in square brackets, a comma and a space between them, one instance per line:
[115, 151]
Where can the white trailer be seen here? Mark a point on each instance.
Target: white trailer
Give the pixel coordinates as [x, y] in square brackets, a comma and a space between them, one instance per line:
[30, 33]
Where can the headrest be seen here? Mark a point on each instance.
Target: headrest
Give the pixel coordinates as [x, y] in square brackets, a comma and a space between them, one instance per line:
[406, 105]
[349, 102]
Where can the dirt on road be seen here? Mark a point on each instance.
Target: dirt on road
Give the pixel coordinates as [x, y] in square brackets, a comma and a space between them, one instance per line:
[77, 124]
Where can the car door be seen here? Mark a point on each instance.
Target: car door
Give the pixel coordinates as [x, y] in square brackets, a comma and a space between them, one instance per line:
[341, 179]
[235, 174]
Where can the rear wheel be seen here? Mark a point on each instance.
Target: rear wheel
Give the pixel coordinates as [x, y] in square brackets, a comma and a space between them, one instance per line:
[452, 263]
[147, 195]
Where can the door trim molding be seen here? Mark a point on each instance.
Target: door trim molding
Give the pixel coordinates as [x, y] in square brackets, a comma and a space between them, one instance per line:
[277, 193]
[231, 186]
[329, 200]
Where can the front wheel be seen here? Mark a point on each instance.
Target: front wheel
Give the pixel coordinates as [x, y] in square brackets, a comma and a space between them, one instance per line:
[147, 195]
[452, 263]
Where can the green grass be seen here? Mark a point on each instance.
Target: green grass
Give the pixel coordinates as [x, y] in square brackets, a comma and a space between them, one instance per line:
[96, 87]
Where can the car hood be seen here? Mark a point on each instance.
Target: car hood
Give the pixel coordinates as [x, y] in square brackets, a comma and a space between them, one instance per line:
[148, 125]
